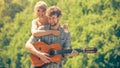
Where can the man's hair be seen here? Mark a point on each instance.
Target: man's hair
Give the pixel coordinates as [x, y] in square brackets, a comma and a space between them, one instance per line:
[40, 4]
[53, 10]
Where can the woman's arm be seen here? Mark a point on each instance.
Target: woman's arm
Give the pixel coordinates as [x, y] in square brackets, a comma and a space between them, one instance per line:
[37, 32]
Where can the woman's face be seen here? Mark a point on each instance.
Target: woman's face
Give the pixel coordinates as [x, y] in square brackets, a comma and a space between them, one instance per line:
[40, 12]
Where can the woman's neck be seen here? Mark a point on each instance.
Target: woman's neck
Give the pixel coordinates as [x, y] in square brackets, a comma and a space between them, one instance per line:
[43, 20]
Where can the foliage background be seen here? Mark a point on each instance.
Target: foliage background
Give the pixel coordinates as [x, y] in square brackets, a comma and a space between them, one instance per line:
[92, 23]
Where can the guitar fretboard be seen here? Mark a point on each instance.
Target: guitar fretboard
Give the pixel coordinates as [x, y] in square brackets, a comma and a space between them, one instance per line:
[69, 51]
[87, 50]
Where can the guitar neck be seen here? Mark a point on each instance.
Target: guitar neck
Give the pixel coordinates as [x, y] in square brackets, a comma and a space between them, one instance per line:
[87, 50]
[69, 51]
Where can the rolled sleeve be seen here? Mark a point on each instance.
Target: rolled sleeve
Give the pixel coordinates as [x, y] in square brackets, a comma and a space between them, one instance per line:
[68, 40]
[33, 39]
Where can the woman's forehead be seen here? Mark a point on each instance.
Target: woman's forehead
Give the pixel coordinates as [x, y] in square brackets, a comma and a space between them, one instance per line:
[40, 8]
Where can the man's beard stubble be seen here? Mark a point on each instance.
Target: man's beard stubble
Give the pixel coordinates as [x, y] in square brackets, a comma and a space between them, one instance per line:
[53, 24]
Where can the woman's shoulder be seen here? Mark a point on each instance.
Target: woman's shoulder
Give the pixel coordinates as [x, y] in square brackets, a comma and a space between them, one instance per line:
[35, 20]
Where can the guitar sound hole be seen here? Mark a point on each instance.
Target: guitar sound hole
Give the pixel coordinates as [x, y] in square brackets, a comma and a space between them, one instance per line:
[51, 52]
[39, 58]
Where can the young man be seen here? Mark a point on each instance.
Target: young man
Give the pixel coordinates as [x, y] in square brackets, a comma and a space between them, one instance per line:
[53, 13]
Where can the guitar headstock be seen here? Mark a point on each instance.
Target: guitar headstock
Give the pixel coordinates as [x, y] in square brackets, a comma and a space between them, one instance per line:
[90, 50]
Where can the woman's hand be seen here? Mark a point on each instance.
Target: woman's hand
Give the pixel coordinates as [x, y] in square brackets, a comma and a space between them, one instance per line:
[65, 26]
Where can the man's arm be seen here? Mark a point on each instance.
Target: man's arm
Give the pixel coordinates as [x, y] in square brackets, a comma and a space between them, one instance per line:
[68, 44]
[29, 46]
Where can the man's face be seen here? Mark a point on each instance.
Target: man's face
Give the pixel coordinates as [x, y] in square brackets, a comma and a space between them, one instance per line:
[53, 20]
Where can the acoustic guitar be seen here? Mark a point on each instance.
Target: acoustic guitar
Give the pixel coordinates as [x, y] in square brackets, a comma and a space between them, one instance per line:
[55, 51]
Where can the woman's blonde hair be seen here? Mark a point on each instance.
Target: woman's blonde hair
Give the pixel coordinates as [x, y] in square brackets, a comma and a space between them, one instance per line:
[41, 5]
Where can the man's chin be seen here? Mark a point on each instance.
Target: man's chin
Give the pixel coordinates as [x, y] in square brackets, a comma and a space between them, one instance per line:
[52, 25]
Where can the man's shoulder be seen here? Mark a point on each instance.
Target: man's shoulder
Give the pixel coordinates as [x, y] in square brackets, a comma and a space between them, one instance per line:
[64, 30]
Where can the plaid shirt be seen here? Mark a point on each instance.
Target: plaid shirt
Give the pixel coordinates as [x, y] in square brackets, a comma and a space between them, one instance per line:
[63, 39]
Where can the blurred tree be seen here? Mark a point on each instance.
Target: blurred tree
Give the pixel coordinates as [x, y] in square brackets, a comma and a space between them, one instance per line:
[91, 23]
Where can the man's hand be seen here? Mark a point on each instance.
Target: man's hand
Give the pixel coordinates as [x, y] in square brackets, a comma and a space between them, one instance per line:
[44, 57]
[74, 52]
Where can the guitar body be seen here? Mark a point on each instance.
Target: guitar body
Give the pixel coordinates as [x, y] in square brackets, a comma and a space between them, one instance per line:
[55, 52]
[43, 47]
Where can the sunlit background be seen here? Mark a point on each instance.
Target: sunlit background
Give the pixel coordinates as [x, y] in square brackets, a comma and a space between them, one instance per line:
[92, 23]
